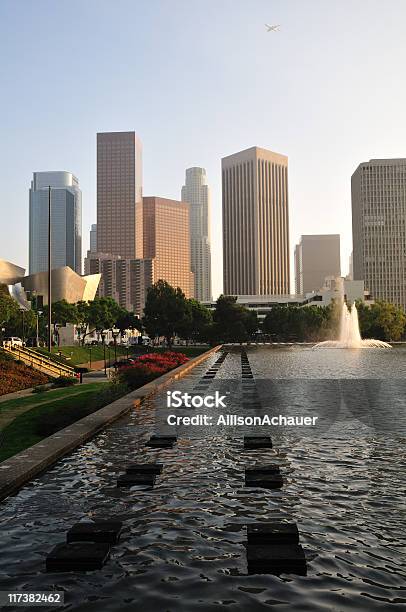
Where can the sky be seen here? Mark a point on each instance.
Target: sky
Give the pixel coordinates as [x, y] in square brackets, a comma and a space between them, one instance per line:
[199, 80]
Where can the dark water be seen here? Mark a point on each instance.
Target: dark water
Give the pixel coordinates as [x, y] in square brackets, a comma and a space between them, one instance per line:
[183, 547]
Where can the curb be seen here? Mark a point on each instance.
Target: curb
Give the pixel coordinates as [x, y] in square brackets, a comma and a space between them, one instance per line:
[21, 468]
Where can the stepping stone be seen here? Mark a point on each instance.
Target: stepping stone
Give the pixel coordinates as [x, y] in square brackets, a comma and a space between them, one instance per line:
[132, 480]
[144, 468]
[272, 533]
[161, 441]
[256, 442]
[77, 556]
[264, 481]
[99, 531]
[267, 468]
[276, 559]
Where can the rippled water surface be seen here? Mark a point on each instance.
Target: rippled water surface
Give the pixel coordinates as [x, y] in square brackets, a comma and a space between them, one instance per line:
[183, 545]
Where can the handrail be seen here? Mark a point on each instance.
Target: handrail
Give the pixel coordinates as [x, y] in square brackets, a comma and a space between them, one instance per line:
[41, 361]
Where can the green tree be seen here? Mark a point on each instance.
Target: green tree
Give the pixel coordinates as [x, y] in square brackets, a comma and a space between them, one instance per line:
[232, 322]
[165, 311]
[8, 306]
[103, 314]
[62, 313]
[381, 320]
[196, 322]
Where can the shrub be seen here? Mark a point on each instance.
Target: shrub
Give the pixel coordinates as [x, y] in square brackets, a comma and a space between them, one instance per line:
[15, 376]
[64, 381]
[150, 366]
[40, 389]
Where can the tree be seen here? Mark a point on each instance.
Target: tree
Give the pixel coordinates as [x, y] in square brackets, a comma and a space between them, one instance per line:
[8, 306]
[233, 322]
[62, 313]
[196, 322]
[82, 321]
[382, 321]
[165, 311]
[127, 320]
[293, 323]
[103, 313]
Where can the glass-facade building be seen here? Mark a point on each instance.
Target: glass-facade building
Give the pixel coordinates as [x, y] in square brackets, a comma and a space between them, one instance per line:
[196, 192]
[66, 222]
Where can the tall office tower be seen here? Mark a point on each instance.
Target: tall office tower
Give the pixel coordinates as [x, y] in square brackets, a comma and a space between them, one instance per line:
[316, 257]
[66, 221]
[93, 238]
[124, 280]
[166, 240]
[255, 223]
[119, 189]
[196, 192]
[378, 190]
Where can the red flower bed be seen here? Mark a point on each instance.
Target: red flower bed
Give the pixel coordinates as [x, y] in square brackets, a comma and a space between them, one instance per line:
[16, 376]
[150, 366]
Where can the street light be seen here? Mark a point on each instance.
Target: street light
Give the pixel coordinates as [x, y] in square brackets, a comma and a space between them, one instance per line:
[38, 313]
[115, 331]
[103, 336]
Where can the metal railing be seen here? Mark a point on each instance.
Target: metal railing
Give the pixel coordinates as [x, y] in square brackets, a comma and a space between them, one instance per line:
[40, 362]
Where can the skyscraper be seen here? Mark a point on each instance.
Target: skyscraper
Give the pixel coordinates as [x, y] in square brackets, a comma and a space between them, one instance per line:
[316, 257]
[66, 221]
[93, 238]
[255, 223]
[166, 240]
[196, 192]
[119, 189]
[124, 280]
[378, 191]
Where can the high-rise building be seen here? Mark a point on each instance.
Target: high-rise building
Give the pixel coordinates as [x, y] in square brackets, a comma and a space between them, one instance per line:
[378, 190]
[119, 189]
[196, 192]
[166, 240]
[255, 223]
[317, 256]
[66, 221]
[93, 238]
[124, 280]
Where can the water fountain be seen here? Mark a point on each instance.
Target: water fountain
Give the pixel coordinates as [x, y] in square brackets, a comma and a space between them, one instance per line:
[350, 336]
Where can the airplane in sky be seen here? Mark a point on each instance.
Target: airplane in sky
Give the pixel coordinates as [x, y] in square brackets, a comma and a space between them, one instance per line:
[272, 28]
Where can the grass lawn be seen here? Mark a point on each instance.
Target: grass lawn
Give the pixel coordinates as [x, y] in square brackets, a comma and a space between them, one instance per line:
[80, 354]
[65, 405]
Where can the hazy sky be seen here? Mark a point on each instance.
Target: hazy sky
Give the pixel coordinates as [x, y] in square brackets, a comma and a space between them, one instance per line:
[198, 80]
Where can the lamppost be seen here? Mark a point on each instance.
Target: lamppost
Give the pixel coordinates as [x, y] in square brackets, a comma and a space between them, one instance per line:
[103, 337]
[90, 356]
[38, 313]
[115, 331]
[49, 274]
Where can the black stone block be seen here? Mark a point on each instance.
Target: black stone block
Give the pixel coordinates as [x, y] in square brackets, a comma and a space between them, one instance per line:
[278, 559]
[266, 468]
[256, 442]
[132, 480]
[264, 481]
[161, 441]
[272, 533]
[77, 556]
[98, 531]
[144, 468]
